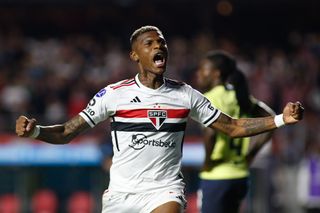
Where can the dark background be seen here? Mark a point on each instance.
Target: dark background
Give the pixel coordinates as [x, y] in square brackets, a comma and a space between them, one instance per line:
[249, 21]
[277, 43]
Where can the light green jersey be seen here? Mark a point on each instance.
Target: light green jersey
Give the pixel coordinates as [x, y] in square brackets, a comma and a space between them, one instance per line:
[230, 152]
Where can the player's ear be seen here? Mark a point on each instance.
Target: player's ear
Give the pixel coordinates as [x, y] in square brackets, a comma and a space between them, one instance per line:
[134, 56]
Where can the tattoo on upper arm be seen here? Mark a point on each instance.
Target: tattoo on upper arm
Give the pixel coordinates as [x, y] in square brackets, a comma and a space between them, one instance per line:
[226, 127]
[223, 124]
[75, 126]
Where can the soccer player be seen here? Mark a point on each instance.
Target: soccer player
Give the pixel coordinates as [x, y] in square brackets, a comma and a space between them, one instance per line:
[224, 176]
[148, 118]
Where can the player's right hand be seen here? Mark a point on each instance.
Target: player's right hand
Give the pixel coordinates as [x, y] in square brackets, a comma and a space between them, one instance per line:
[25, 126]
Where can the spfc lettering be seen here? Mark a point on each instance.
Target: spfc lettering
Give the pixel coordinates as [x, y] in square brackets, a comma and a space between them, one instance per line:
[157, 117]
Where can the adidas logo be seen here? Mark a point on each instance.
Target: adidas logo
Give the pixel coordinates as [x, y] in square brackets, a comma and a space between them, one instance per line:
[135, 100]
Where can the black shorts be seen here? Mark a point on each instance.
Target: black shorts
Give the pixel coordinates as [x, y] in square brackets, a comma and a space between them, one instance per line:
[222, 196]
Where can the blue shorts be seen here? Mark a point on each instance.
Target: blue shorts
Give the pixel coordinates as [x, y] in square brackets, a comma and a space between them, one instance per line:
[222, 196]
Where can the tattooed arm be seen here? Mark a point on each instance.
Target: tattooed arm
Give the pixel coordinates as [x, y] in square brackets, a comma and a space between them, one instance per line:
[56, 134]
[243, 127]
[292, 113]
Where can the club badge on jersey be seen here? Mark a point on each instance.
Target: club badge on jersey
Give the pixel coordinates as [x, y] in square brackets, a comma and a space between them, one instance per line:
[157, 117]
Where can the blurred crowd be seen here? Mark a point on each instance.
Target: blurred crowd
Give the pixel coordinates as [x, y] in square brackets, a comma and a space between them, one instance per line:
[53, 78]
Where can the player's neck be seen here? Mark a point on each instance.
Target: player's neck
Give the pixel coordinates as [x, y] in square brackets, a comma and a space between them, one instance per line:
[151, 80]
[216, 82]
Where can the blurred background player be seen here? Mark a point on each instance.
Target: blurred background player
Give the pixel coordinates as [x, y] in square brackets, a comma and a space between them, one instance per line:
[224, 175]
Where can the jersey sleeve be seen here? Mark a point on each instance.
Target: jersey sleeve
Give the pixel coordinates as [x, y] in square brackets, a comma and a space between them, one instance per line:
[201, 108]
[100, 107]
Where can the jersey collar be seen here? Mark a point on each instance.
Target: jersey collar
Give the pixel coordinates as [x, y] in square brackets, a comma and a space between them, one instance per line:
[147, 88]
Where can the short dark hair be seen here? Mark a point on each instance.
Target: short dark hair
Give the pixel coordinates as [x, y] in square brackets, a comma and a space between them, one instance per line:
[142, 30]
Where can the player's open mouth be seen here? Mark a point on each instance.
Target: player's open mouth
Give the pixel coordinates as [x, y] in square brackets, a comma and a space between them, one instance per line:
[159, 59]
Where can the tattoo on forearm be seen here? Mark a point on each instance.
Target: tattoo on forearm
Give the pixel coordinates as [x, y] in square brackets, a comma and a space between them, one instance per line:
[255, 126]
[61, 134]
[244, 127]
[252, 126]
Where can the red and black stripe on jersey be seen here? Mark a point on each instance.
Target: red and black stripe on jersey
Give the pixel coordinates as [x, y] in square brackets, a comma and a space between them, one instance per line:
[143, 113]
[133, 126]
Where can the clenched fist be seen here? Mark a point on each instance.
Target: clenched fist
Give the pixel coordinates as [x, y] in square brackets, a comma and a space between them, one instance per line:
[25, 126]
[292, 112]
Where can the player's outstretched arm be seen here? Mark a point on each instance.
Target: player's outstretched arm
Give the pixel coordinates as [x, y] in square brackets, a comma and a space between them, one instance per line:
[56, 134]
[243, 127]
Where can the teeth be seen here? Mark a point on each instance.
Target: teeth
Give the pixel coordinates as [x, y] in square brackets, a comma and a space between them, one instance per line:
[159, 59]
[158, 62]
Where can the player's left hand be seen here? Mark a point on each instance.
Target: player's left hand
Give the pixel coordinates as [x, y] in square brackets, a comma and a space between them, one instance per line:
[293, 112]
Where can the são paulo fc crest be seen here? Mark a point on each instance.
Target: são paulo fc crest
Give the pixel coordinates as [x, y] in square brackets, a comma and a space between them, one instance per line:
[157, 117]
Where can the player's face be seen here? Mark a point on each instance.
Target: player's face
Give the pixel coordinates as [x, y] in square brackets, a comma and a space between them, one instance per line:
[151, 51]
[205, 74]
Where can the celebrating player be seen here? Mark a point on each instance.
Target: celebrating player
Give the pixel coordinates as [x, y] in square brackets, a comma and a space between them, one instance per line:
[148, 118]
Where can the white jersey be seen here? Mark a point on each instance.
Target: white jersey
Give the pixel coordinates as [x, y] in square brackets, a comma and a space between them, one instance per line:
[147, 127]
